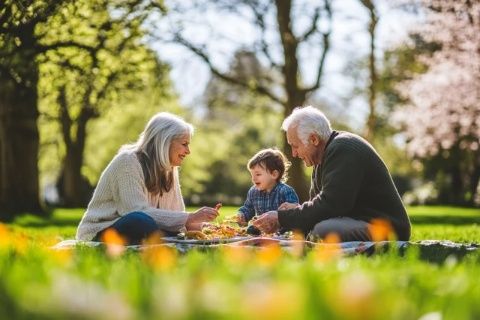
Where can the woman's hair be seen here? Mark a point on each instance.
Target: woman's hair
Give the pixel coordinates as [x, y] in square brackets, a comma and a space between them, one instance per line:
[271, 160]
[308, 120]
[153, 150]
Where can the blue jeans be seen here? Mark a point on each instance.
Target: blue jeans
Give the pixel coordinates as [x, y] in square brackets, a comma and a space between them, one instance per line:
[134, 226]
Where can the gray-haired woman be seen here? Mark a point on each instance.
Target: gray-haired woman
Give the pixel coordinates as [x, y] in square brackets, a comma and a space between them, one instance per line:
[139, 191]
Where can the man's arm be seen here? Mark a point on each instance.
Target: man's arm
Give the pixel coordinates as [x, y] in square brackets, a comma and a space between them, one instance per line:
[341, 179]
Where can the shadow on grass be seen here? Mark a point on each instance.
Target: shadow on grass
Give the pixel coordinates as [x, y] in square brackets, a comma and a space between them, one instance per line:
[439, 253]
[452, 220]
[48, 222]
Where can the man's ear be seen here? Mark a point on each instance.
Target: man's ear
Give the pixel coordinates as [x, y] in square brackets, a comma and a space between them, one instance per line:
[314, 139]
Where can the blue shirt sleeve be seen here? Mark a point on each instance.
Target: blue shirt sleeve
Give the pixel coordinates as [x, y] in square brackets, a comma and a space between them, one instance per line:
[247, 209]
[289, 195]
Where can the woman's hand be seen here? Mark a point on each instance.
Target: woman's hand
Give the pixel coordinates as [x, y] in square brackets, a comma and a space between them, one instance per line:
[196, 219]
[288, 205]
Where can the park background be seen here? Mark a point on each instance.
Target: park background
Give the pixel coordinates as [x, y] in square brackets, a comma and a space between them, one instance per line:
[81, 79]
[78, 79]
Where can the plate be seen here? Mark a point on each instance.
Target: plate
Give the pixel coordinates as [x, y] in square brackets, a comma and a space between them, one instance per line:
[204, 241]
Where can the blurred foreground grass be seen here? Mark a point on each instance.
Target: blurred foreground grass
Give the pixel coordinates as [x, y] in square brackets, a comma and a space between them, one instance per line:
[235, 283]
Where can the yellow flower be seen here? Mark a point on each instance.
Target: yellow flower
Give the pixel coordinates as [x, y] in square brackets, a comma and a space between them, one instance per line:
[4, 236]
[269, 254]
[114, 241]
[160, 257]
[328, 249]
[381, 230]
[236, 254]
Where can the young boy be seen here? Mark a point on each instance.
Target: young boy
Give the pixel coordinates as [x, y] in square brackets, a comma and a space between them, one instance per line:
[268, 169]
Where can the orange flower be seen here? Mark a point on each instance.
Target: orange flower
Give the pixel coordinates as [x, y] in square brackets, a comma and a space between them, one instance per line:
[160, 257]
[381, 230]
[62, 256]
[114, 241]
[328, 249]
[4, 236]
[269, 254]
[154, 238]
[236, 254]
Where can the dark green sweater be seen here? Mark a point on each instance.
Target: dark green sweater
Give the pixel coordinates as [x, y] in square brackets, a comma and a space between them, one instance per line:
[352, 181]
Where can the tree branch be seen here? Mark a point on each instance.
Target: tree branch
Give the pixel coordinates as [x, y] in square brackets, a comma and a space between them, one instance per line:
[326, 47]
[259, 14]
[42, 48]
[202, 55]
[313, 27]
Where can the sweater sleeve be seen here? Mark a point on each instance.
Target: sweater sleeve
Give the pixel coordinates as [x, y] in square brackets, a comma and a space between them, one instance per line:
[342, 174]
[132, 196]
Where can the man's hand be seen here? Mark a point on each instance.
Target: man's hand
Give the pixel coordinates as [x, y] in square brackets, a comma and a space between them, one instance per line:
[267, 222]
[288, 205]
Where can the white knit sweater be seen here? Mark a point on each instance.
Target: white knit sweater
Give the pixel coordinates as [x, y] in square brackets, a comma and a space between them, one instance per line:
[121, 190]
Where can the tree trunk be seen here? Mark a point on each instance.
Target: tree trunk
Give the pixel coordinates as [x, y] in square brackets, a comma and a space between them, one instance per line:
[74, 190]
[474, 180]
[295, 97]
[372, 119]
[19, 136]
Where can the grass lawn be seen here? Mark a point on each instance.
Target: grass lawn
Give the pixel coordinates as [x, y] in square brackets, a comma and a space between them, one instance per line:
[235, 283]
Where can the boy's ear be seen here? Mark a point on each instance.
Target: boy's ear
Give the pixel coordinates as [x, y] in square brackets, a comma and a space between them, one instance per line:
[275, 174]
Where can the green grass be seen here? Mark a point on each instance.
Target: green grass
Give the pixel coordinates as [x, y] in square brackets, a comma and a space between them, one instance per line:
[38, 283]
[428, 222]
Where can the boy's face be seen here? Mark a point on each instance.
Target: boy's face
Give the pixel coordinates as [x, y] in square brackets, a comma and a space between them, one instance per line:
[263, 179]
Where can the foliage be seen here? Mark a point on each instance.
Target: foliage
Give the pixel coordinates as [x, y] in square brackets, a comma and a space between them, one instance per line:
[111, 66]
[442, 117]
[237, 123]
[235, 283]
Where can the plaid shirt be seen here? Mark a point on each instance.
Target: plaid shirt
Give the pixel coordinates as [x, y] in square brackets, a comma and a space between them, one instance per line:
[259, 202]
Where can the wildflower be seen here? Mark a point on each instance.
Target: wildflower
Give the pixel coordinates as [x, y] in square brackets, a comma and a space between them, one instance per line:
[4, 236]
[328, 249]
[236, 254]
[269, 254]
[160, 257]
[114, 241]
[381, 230]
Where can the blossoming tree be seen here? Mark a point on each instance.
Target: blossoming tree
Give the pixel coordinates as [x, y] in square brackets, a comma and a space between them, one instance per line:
[442, 119]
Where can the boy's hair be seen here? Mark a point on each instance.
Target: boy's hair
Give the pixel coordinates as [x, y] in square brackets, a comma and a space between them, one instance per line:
[271, 159]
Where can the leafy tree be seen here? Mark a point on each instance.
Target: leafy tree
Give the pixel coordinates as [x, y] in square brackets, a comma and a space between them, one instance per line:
[280, 29]
[20, 44]
[24, 39]
[442, 117]
[83, 84]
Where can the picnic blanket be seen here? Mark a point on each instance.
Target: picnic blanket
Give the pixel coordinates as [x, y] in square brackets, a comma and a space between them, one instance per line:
[433, 250]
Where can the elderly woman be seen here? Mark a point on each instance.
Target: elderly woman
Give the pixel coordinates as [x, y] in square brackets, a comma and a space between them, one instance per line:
[139, 191]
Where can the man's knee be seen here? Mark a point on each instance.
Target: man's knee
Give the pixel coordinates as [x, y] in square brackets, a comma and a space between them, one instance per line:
[323, 229]
[344, 229]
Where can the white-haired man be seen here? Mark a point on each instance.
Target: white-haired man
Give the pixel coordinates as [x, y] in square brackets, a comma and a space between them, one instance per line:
[350, 187]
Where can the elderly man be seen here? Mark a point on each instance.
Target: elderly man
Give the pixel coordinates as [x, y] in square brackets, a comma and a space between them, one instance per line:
[351, 187]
